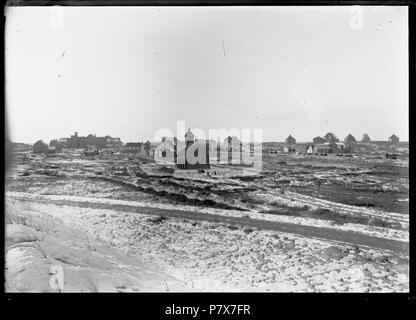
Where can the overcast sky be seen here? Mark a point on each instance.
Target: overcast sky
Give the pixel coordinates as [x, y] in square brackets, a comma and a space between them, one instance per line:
[128, 72]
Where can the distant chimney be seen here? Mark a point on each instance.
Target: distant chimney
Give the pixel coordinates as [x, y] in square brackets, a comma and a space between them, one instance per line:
[76, 134]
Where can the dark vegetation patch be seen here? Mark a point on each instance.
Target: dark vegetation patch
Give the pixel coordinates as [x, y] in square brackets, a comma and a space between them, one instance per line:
[202, 187]
[351, 174]
[364, 204]
[167, 170]
[389, 170]
[247, 178]
[249, 199]
[178, 197]
[358, 193]
[119, 190]
[283, 181]
[326, 214]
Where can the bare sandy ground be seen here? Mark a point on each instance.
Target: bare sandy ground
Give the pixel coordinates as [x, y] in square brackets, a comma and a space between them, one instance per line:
[112, 250]
[35, 245]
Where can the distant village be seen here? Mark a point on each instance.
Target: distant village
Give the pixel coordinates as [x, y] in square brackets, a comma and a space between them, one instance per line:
[329, 143]
[233, 147]
[93, 146]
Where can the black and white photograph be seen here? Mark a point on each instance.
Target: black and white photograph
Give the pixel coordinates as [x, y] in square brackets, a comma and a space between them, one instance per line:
[200, 149]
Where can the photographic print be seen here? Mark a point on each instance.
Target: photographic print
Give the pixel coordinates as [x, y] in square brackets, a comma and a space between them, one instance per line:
[207, 149]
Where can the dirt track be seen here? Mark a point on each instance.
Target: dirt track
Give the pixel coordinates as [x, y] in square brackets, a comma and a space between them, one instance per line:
[307, 231]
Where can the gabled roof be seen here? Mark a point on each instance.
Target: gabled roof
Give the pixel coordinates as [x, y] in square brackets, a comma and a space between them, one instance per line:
[290, 138]
[366, 137]
[133, 144]
[40, 142]
[350, 138]
[330, 136]
[189, 136]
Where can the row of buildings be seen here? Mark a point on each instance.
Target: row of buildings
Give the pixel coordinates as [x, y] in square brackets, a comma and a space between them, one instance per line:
[319, 148]
[91, 142]
[79, 142]
[329, 143]
[190, 154]
[349, 139]
[196, 153]
[137, 148]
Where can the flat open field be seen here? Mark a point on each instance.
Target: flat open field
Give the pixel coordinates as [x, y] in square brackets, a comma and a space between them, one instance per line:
[301, 223]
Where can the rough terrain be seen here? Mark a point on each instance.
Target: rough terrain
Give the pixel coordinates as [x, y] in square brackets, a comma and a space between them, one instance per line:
[120, 224]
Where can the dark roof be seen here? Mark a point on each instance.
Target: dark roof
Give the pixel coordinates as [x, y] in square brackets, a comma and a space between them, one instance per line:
[290, 138]
[189, 135]
[133, 144]
[40, 142]
[322, 146]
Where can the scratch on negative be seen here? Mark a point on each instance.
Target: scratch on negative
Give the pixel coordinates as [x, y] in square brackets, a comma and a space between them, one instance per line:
[223, 47]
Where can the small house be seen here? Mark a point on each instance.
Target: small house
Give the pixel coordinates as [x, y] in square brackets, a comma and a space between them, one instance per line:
[55, 146]
[132, 148]
[394, 139]
[350, 139]
[330, 137]
[366, 138]
[146, 148]
[181, 156]
[165, 151]
[338, 147]
[290, 141]
[289, 149]
[323, 148]
[302, 148]
[114, 143]
[234, 148]
[318, 140]
[40, 147]
[91, 151]
[232, 144]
